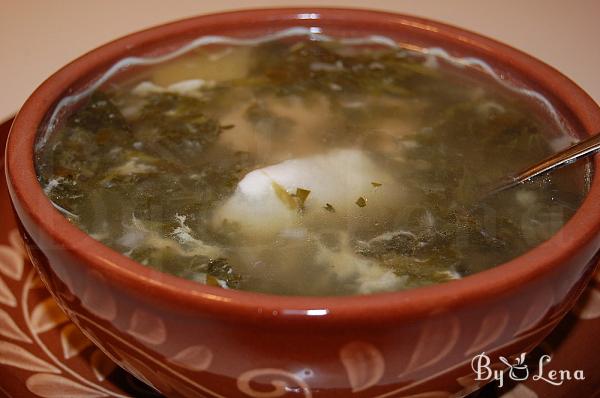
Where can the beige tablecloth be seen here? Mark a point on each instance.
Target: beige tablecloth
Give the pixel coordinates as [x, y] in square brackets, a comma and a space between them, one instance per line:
[39, 36]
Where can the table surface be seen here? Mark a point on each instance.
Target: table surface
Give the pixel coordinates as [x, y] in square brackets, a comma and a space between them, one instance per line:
[38, 37]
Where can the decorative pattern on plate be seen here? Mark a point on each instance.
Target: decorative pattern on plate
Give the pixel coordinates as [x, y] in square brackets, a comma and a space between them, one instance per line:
[29, 316]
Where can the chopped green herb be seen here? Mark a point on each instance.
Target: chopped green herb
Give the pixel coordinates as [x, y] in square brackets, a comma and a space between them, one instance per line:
[329, 208]
[212, 281]
[302, 195]
[284, 196]
[361, 202]
[222, 270]
[99, 114]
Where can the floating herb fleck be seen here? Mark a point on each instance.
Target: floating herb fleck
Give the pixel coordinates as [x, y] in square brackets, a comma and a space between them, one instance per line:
[329, 208]
[376, 184]
[221, 270]
[212, 281]
[302, 195]
[284, 196]
[361, 202]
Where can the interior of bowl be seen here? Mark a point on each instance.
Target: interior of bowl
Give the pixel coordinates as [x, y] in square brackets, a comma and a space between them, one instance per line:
[550, 94]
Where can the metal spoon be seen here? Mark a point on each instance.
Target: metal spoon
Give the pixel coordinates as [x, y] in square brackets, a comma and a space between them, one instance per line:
[582, 149]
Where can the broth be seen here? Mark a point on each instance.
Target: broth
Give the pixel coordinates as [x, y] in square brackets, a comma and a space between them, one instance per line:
[305, 168]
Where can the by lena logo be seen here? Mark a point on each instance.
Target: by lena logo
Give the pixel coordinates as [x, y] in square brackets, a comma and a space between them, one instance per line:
[519, 370]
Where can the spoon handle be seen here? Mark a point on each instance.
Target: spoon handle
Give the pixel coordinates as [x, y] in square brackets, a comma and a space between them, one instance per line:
[582, 149]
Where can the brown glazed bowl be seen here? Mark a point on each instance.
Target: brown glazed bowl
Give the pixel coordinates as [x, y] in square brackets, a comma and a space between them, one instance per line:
[192, 340]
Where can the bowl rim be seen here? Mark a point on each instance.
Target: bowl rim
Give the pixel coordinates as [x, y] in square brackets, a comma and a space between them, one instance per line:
[580, 233]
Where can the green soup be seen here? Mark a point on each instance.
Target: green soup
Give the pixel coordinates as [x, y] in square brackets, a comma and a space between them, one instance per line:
[306, 168]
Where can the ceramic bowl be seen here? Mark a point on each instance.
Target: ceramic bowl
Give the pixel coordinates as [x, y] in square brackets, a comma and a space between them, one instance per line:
[191, 340]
